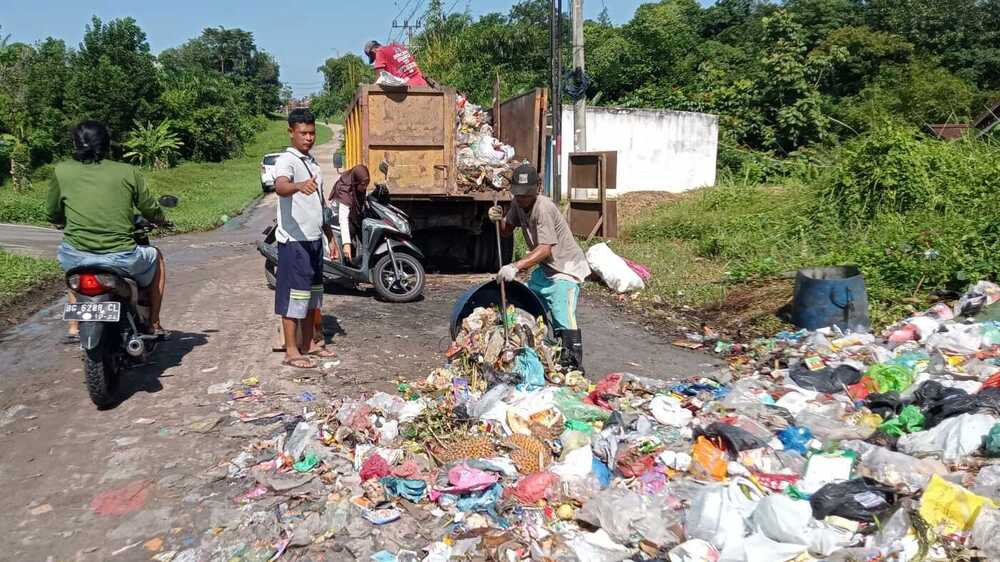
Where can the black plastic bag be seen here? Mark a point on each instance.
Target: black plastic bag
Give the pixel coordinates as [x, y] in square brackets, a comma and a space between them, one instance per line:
[861, 499]
[886, 404]
[949, 407]
[989, 400]
[735, 438]
[825, 380]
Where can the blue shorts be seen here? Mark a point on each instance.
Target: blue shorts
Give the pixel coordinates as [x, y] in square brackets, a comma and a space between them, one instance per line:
[300, 278]
[559, 295]
[139, 264]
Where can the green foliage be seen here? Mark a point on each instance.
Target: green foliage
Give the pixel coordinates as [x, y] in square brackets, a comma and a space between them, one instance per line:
[20, 166]
[153, 147]
[212, 89]
[19, 274]
[112, 76]
[341, 77]
[914, 213]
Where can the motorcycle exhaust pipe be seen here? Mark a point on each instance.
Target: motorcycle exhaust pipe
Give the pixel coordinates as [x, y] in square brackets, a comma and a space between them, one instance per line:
[135, 347]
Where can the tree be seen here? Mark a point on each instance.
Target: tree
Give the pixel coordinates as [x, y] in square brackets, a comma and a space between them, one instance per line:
[341, 76]
[789, 98]
[857, 55]
[153, 147]
[232, 53]
[112, 76]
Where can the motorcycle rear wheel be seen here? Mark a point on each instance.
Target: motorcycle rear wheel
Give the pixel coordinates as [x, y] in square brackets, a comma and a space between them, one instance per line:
[101, 367]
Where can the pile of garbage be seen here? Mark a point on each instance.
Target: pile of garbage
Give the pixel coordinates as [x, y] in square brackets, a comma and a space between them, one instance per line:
[483, 161]
[811, 446]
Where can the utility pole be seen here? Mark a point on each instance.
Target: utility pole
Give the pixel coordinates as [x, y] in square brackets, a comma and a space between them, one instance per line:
[408, 29]
[580, 105]
[555, 30]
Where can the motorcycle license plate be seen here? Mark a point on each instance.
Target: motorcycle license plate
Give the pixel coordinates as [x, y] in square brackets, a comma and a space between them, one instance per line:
[93, 311]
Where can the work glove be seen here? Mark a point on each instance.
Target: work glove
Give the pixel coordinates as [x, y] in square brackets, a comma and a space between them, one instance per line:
[496, 213]
[507, 272]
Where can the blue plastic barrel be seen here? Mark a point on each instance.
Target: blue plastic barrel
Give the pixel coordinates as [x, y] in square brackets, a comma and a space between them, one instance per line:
[831, 296]
[488, 294]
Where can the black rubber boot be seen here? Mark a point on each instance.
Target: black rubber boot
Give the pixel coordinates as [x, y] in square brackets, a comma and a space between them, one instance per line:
[572, 355]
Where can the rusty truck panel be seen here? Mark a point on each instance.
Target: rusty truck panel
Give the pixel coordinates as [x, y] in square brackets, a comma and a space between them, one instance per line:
[413, 129]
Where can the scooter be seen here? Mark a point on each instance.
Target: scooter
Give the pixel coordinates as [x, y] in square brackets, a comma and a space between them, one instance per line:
[113, 312]
[385, 255]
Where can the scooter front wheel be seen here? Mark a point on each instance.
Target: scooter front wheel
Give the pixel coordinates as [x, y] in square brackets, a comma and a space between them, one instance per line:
[408, 286]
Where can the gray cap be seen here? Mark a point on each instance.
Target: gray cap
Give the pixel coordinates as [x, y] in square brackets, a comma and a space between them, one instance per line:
[371, 45]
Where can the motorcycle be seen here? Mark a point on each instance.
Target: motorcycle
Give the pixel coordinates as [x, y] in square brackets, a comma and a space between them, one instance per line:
[385, 256]
[113, 312]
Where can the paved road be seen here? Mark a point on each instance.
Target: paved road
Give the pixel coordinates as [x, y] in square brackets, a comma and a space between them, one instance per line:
[58, 454]
[28, 240]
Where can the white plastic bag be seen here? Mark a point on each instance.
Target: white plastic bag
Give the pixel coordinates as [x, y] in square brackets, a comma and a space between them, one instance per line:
[668, 411]
[613, 270]
[694, 550]
[719, 513]
[597, 547]
[783, 519]
[894, 469]
[952, 439]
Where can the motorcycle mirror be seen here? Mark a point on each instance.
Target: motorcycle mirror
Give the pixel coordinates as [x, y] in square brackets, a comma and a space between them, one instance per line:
[383, 167]
[169, 201]
[338, 160]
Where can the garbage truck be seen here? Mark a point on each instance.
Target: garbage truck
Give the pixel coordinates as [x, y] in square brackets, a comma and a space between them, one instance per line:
[414, 130]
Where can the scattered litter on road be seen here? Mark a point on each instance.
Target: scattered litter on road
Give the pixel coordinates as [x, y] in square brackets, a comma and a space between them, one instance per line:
[811, 445]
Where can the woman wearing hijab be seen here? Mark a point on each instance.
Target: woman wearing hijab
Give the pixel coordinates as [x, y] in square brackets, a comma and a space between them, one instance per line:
[349, 194]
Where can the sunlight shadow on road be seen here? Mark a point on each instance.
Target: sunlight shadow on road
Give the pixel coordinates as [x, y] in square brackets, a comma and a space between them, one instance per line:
[168, 354]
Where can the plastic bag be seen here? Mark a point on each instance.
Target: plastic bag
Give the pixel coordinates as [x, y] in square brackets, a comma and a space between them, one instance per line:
[597, 547]
[613, 270]
[609, 386]
[828, 380]
[534, 487]
[985, 531]
[784, 519]
[988, 482]
[668, 411]
[374, 467]
[894, 469]
[959, 339]
[412, 490]
[909, 420]
[735, 438]
[707, 460]
[463, 478]
[529, 366]
[952, 439]
[574, 409]
[950, 508]
[890, 377]
[861, 499]
[795, 438]
[694, 550]
[885, 404]
[719, 513]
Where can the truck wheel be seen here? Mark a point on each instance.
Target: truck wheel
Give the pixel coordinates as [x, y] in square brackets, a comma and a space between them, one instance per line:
[101, 367]
[408, 287]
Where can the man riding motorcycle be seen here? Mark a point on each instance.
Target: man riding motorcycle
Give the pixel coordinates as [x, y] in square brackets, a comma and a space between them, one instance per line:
[96, 199]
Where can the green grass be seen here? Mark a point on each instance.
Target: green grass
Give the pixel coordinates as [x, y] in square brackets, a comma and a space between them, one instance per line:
[19, 274]
[207, 191]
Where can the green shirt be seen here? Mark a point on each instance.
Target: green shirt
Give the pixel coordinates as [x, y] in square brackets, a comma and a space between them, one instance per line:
[96, 202]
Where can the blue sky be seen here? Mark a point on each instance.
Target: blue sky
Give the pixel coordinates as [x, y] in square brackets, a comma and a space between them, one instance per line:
[300, 33]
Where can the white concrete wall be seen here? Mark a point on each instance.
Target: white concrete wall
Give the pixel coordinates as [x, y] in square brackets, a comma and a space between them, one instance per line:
[658, 150]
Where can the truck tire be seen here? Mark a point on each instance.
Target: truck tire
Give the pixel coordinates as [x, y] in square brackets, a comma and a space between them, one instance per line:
[386, 285]
[101, 367]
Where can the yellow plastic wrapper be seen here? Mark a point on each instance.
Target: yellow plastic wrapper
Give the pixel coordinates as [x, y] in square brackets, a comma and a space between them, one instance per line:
[950, 508]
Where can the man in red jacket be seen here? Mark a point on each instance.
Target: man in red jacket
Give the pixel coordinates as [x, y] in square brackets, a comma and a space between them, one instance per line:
[397, 61]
